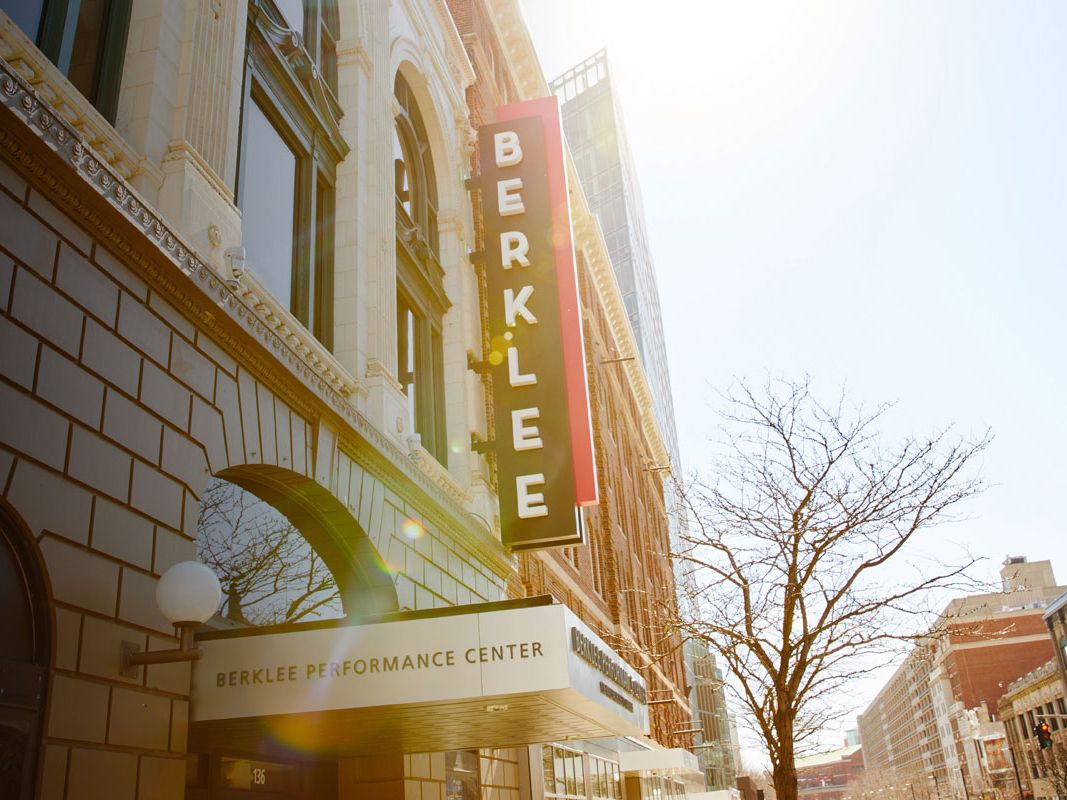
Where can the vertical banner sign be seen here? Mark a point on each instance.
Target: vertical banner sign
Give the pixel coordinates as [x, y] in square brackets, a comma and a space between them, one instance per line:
[544, 443]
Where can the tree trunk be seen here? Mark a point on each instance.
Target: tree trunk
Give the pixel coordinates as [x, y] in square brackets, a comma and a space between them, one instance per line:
[784, 773]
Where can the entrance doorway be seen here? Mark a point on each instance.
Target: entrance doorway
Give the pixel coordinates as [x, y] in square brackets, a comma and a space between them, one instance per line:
[225, 777]
[25, 645]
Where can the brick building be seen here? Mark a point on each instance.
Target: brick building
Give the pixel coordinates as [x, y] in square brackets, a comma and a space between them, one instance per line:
[236, 311]
[937, 715]
[827, 776]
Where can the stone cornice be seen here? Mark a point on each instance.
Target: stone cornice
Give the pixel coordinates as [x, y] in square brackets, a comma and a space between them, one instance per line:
[459, 64]
[522, 57]
[75, 177]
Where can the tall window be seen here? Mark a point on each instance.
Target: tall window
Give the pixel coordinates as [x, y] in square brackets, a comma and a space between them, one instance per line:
[420, 296]
[290, 147]
[564, 773]
[86, 39]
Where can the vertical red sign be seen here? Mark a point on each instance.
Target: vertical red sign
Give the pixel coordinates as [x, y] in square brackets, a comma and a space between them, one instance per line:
[544, 445]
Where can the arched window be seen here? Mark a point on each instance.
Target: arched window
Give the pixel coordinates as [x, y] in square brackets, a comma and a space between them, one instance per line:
[420, 296]
[269, 572]
[25, 646]
[290, 147]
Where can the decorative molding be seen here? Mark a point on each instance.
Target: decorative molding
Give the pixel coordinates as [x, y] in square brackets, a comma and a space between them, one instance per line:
[355, 52]
[376, 369]
[289, 329]
[439, 474]
[240, 320]
[293, 59]
[181, 150]
[458, 63]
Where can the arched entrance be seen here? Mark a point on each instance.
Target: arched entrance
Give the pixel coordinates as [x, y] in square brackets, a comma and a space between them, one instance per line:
[286, 552]
[25, 645]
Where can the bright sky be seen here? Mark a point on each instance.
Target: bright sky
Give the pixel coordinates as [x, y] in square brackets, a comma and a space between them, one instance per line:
[872, 193]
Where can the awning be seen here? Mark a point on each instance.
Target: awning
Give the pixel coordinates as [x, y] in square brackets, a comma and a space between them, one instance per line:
[673, 762]
[422, 683]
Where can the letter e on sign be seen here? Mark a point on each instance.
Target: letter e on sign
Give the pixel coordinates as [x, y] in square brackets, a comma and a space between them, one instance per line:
[531, 504]
[525, 437]
[508, 199]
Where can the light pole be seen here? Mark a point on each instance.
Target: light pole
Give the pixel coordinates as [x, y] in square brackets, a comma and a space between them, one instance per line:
[963, 777]
[912, 791]
[937, 785]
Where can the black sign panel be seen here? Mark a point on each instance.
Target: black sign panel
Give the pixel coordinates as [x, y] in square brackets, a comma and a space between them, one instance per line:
[533, 439]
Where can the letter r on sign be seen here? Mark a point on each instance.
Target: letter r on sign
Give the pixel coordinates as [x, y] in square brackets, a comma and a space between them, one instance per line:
[513, 249]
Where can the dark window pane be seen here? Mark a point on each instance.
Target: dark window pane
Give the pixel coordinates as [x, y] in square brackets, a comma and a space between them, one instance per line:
[400, 174]
[26, 14]
[16, 621]
[436, 412]
[267, 204]
[88, 43]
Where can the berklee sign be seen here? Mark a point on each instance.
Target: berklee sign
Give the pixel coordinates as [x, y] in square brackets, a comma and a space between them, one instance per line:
[544, 448]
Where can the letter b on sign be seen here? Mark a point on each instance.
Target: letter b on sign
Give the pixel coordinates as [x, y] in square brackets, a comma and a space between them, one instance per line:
[507, 147]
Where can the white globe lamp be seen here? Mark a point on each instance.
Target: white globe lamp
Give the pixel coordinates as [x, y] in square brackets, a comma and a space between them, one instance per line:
[188, 593]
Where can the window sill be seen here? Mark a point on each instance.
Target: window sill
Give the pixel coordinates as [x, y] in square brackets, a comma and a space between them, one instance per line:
[437, 472]
[53, 88]
[291, 331]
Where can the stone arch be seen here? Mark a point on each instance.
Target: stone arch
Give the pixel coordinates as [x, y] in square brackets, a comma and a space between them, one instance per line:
[28, 650]
[364, 582]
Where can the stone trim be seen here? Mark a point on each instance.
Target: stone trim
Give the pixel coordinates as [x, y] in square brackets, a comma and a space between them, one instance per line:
[216, 307]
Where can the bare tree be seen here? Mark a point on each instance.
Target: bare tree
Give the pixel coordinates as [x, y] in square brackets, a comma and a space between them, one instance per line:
[268, 571]
[789, 546]
[1054, 766]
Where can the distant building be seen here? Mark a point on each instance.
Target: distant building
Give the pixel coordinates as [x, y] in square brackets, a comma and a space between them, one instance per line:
[1056, 620]
[708, 699]
[827, 776]
[936, 716]
[1036, 697]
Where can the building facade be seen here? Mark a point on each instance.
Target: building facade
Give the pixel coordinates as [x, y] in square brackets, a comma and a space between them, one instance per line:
[1056, 620]
[1033, 698]
[830, 775]
[237, 325]
[936, 718]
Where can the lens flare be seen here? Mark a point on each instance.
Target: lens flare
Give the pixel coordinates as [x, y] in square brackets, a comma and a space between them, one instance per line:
[413, 529]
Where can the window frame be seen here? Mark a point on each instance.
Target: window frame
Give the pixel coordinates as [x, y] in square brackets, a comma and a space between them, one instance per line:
[285, 81]
[419, 274]
[55, 37]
